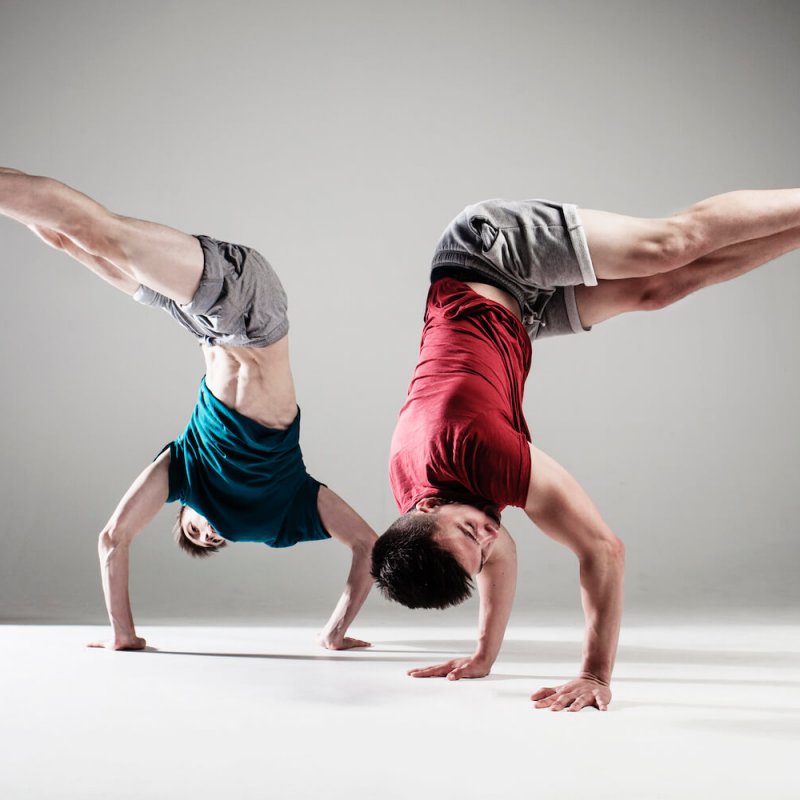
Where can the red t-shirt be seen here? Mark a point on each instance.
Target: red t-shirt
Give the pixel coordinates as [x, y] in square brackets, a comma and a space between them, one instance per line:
[461, 434]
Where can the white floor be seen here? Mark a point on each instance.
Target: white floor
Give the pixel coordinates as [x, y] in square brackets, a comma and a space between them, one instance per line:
[698, 712]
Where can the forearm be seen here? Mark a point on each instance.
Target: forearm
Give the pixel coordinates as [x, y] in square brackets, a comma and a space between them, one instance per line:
[134, 511]
[114, 561]
[349, 529]
[359, 582]
[601, 576]
[496, 585]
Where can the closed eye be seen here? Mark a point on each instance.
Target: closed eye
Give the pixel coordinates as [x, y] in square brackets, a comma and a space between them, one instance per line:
[469, 534]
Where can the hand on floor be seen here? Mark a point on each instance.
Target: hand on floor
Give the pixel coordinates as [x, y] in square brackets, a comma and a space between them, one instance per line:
[134, 643]
[576, 695]
[342, 642]
[469, 667]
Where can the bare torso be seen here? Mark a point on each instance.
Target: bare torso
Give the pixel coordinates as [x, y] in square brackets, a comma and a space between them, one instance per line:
[255, 381]
[498, 295]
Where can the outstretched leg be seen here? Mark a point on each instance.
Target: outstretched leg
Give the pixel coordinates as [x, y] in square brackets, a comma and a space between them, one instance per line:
[633, 247]
[124, 251]
[101, 267]
[613, 297]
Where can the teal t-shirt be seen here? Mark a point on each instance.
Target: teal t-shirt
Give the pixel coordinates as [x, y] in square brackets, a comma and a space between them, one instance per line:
[247, 480]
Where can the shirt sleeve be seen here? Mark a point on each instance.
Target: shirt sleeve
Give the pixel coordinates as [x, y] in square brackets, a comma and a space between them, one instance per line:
[176, 472]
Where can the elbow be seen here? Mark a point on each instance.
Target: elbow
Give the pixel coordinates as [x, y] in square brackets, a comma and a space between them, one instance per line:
[616, 554]
[362, 542]
[362, 547]
[111, 538]
[608, 551]
[617, 550]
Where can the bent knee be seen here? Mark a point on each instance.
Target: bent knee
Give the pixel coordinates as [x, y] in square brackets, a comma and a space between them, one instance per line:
[674, 242]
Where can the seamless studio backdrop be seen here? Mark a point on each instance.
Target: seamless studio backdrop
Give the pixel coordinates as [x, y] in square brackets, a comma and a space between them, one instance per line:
[339, 139]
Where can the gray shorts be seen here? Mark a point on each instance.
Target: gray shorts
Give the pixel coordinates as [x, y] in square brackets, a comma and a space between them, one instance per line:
[239, 303]
[533, 249]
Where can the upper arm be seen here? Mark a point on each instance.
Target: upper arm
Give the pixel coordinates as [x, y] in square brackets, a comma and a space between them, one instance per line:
[503, 555]
[559, 507]
[141, 502]
[343, 523]
[500, 569]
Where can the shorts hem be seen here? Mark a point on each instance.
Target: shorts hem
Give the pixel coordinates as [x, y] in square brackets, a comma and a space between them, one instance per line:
[579, 243]
[572, 311]
[210, 286]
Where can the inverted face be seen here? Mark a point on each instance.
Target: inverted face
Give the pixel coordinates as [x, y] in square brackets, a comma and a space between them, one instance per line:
[469, 533]
[198, 529]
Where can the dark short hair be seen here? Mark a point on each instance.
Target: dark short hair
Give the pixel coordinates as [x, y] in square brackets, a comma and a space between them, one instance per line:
[187, 545]
[411, 568]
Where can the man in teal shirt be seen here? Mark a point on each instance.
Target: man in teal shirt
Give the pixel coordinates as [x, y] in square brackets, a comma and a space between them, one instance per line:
[237, 469]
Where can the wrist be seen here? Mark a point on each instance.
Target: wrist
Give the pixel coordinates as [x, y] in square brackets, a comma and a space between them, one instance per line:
[124, 634]
[483, 656]
[332, 632]
[597, 676]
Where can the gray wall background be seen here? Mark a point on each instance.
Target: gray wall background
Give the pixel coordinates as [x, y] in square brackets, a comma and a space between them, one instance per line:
[339, 139]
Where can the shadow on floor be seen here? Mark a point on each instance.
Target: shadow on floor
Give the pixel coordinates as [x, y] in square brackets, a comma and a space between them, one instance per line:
[521, 650]
[713, 681]
[778, 728]
[362, 655]
[427, 652]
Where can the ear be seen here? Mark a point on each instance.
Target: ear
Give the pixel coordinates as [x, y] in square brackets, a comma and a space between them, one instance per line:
[429, 505]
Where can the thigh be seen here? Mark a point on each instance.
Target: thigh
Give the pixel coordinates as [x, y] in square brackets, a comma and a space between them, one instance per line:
[164, 259]
[631, 247]
[609, 299]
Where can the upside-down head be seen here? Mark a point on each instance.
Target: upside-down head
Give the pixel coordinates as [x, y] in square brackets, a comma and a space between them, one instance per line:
[427, 557]
[194, 534]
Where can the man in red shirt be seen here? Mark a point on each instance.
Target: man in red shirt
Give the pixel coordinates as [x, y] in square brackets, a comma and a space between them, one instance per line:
[503, 274]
